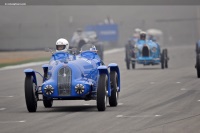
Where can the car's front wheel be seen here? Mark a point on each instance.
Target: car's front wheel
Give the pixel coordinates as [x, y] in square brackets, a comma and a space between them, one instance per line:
[198, 65]
[30, 94]
[162, 59]
[113, 99]
[101, 93]
[166, 58]
[47, 102]
[133, 65]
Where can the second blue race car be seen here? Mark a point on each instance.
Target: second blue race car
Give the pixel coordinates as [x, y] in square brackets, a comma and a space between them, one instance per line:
[146, 52]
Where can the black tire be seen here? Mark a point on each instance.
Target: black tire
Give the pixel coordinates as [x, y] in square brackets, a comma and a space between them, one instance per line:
[30, 94]
[162, 60]
[166, 58]
[101, 93]
[198, 65]
[127, 58]
[47, 102]
[113, 99]
[128, 64]
[133, 65]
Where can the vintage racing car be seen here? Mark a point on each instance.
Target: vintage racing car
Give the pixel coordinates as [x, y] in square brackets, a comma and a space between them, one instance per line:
[146, 52]
[73, 77]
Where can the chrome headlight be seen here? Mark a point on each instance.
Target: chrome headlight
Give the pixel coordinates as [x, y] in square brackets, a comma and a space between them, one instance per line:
[136, 50]
[79, 88]
[48, 90]
[154, 49]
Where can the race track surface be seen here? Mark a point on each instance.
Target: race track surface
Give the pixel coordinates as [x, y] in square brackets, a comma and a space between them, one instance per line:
[151, 101]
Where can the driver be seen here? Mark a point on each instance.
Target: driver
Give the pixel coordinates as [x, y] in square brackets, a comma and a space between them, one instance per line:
[62, 45]
[79, 31]
[142, 35]
[77, 35]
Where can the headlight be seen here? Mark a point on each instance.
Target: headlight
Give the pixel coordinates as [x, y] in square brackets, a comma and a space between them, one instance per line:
[79, 88]
[154, 49]
[48, 90]
[136, 50]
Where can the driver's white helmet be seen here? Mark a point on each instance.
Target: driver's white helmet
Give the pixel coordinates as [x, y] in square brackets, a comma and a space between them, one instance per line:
[62, 45]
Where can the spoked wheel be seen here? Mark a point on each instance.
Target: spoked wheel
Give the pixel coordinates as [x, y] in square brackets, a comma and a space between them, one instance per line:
[198, 65]
[47, 102]
[30, 94]
[113, 99]
[101, 93]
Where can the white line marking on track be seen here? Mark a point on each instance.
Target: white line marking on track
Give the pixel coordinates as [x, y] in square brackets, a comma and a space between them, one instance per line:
[86, 104]
[178, 82]
[157, 115]
[183, 89]
[23, 65]
[22, 121]
[137, 116]
[120, 103]
[2, 109]
[6, 96]
[152, 82]
[119, 116]
[198, 100]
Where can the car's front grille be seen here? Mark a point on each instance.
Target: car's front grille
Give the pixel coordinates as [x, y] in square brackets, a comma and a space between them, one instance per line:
[64, 81]
[145, 51]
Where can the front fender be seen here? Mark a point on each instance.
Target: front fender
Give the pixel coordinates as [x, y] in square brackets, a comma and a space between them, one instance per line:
[45, 70]
[32, 73]
[114, 67]
[104, 70]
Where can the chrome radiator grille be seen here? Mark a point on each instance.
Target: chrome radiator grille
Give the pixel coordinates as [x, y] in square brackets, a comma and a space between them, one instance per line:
[64, 81]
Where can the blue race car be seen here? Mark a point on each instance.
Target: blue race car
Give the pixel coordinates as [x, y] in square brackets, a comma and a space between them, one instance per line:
[74, 77]
[146, 52]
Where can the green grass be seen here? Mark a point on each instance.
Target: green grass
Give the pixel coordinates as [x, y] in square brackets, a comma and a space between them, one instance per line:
[23, 62]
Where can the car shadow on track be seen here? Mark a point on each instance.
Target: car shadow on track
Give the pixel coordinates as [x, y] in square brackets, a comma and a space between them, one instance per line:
[88, 108]
[148, 68]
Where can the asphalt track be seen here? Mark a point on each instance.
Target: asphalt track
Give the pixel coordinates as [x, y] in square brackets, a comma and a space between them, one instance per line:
[151, 101]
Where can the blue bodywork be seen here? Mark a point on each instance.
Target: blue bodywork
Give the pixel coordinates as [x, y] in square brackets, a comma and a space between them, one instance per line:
[147, 52]
[65, 71]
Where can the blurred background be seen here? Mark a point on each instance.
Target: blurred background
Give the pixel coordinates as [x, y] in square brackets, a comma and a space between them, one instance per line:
[37, 27]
